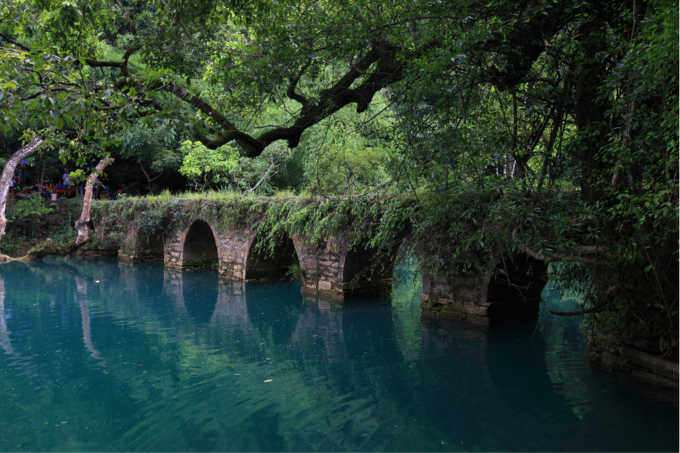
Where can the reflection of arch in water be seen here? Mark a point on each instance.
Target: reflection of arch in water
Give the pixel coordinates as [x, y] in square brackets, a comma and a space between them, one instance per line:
[127, 282]
[199, 248]
[137, 283]
[322, 317]
[200, 292]
[172, 287]
[263, 262]
[459, 355]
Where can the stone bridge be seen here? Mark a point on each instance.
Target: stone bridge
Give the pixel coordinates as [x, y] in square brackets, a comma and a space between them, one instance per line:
[330, 268]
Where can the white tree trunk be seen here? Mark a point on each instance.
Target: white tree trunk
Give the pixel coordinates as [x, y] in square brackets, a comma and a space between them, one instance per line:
[82, 224]
[8, 174]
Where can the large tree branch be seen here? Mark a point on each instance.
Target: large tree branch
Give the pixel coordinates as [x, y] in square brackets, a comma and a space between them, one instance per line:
[16, 43]
[292, 92]
[122, 64]
[524, 44]
[388, 61]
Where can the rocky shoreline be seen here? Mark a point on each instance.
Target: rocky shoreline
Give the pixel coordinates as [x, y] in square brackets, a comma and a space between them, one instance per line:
[643, 366]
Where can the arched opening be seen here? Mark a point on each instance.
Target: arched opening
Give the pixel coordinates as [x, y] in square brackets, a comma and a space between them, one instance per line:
[200, 247]
[280, 263]
[368, 271]
[518, 281]
[149, 248]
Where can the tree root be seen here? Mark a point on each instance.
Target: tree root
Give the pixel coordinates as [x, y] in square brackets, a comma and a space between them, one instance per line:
[45, 248]
[578, 312]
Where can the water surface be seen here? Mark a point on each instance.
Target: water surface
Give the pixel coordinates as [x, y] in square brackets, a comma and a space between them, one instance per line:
[101, 356]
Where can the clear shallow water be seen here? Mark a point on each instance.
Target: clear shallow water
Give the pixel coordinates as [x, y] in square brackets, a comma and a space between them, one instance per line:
[97, 356]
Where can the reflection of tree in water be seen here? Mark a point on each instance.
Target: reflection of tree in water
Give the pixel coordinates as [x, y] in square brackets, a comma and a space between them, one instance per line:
[5, 341]
[80, 296]
[60, 378]
[327, 400]
[342, 374]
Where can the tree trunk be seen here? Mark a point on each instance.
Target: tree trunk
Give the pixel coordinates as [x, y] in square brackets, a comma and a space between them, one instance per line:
[42, 175]
[8, 173]
[150, 180]
[82, 225]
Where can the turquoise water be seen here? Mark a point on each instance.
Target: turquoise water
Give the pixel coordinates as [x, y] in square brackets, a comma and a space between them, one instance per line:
[101, 356]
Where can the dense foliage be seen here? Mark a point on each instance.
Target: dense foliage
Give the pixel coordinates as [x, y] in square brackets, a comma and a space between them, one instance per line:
[542, 127]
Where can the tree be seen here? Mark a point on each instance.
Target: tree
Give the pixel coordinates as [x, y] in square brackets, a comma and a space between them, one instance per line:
[206, 166]
[152, 147]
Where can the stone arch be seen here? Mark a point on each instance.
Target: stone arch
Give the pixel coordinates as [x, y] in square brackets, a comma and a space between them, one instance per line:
[509, 289]
[516, 286]
[365, 271]
[200, 246]
[262, 263]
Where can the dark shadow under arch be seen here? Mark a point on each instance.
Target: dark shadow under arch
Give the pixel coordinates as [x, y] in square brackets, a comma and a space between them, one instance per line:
[265, 263]
[518, 281]
[200, 247]
[369, 270]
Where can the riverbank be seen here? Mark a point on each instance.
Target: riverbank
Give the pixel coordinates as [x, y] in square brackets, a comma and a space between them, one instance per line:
[32, 221]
